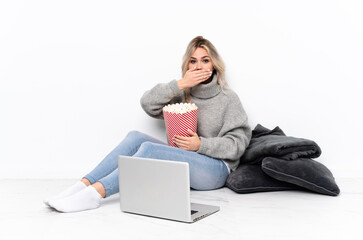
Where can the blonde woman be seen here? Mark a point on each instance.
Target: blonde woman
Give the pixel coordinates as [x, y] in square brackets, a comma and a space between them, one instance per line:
[212, 152]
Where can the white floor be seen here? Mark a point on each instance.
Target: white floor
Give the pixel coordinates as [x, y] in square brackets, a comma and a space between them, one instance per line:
[273, 215]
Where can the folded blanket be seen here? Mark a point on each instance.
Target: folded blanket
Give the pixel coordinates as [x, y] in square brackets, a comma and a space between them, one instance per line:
[274, 143]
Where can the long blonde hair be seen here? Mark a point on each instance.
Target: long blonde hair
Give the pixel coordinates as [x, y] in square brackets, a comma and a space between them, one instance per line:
[218, 64]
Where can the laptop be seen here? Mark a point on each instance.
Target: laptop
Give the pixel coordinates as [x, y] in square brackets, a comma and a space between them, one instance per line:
[158, 188]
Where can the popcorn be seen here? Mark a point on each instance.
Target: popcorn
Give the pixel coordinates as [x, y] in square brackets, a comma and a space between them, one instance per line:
[180, 107]
[179, 118]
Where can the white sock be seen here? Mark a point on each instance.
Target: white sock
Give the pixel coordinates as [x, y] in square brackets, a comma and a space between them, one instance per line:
[69, 191]
[86, 199]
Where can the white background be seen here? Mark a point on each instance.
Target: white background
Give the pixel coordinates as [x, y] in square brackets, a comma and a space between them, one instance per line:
[72, 74]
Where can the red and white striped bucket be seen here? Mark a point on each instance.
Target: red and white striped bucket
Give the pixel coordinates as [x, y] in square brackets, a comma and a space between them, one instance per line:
[179, 123]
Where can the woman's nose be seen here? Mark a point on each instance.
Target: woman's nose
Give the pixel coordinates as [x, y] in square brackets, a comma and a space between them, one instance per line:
[199, 66]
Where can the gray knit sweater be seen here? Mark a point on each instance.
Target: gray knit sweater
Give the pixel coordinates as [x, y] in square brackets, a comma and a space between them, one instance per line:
[222, 122]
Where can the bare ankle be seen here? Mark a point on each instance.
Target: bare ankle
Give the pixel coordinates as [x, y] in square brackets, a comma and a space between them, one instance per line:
[100, 189]
[85, 181]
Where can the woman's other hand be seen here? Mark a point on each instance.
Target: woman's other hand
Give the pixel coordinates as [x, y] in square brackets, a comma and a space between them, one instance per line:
[191, 143]
[193, 77]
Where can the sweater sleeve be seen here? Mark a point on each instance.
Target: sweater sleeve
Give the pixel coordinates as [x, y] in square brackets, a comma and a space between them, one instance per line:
[234, 136]
[162, 94]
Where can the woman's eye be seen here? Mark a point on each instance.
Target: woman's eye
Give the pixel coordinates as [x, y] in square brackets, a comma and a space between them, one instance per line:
[206, 60]
[192, 61]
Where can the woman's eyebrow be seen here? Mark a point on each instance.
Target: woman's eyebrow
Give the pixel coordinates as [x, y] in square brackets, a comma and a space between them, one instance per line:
[202, 57]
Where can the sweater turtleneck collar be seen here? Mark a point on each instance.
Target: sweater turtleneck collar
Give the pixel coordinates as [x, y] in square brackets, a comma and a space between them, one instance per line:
[208, 90]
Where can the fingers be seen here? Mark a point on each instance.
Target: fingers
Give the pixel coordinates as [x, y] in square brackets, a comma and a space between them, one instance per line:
[191, 133]
[191, 143]
[182, 146]
[181, 143]
[202, 78]
[200, 71]
[195, 76]
[180, 138]
[202, 74]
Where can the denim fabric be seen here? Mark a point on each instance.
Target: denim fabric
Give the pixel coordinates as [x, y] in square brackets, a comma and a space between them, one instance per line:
[206, 173]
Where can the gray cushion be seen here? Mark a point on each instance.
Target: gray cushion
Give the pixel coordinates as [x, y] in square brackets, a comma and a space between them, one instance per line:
[303, 172]
[274, 143]
[251, 178]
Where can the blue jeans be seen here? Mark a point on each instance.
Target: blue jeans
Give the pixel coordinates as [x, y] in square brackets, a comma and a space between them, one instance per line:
[206, 173]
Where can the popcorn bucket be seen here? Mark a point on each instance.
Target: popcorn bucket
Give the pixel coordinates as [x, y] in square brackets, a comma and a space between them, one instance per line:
[178, 119]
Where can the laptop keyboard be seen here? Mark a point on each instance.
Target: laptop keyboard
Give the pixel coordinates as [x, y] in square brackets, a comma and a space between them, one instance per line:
[193, 212]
